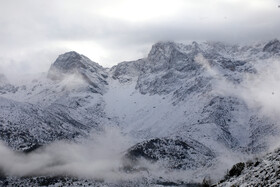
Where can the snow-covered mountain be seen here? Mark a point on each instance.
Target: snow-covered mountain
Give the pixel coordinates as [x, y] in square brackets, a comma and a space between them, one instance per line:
[179, 104]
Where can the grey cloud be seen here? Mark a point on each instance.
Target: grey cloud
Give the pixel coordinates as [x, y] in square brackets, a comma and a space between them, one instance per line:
[31, 27]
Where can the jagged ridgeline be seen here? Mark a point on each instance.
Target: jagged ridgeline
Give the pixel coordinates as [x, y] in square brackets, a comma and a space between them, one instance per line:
[170, 103]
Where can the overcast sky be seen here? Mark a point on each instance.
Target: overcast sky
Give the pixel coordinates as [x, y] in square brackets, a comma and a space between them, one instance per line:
[34, 32]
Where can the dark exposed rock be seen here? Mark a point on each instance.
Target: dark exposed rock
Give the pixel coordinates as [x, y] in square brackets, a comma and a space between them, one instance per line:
[272, 46]
[236, 169]
[32, 148]
[175, 152]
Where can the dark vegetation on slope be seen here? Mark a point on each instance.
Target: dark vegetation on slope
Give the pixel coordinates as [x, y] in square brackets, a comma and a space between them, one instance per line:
[173, 153]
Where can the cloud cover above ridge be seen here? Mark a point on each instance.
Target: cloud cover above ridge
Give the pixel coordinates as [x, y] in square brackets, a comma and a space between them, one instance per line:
[34, 33]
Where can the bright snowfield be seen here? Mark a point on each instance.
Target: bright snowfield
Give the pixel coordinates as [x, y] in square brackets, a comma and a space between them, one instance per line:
[185, 113]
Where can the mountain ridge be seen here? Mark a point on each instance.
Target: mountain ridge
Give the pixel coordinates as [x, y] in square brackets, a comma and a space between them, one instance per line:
[173, 92]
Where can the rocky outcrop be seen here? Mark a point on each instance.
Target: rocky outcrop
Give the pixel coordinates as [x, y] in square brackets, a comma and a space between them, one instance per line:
[272, 47]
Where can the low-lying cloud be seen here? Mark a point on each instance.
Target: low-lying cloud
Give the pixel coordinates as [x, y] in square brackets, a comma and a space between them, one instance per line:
[261, 90]
[99, 157]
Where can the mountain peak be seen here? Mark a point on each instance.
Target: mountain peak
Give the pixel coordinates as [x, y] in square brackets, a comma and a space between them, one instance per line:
[66, 63]
[70, 55]
[69, 63]
[162, 47]
[272, 46]
[74, 63]
[162, 51]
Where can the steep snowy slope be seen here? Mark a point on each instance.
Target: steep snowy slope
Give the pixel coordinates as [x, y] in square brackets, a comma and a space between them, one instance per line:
[262, 171]
[24, 125]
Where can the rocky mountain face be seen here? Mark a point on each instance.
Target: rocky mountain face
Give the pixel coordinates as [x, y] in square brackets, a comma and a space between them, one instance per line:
[186, 74]
[272, 47]
[170, 102]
